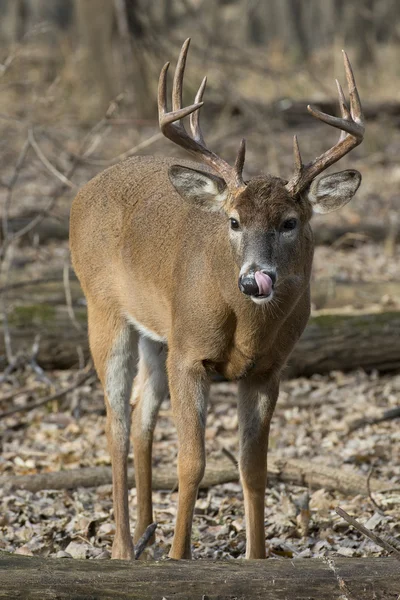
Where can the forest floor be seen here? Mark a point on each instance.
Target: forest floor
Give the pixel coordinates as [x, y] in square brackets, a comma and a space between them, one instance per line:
[313, 421]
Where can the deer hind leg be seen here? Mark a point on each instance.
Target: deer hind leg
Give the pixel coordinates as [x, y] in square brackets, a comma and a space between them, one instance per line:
[189, 393]
[113, 343]
[149, 390]
[256, 403]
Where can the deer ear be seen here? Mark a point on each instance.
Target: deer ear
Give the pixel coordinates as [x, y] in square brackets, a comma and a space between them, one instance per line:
[331, 192]
[204, 189]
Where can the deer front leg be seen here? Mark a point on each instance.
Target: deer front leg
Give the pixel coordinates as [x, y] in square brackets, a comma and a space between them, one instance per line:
[189, 390]
[256, 403]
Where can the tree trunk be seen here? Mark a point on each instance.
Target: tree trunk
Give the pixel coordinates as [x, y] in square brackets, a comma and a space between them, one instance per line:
[63, 579]
[95, 19]
[11, 23]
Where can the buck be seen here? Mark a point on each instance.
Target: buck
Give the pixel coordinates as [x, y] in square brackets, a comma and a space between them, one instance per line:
[191, 271]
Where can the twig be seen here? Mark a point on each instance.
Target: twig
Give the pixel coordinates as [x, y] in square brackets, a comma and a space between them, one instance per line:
[60, 189]
[369, 534]
[111, 161]
[388, 415]
[28, 283]
[9, 369]
[229, 455]
[6, 64]
[81, 356]
[16, 393]
[45, 161]
[6, 330]
[54, 396]
[38, 218]
[68, 297]
[8, 200]
[33, 364]
[374, 502]
[349, 236]
[144, 540]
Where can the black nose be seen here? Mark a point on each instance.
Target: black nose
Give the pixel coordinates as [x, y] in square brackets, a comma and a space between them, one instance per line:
[248, 285]
[271, 273]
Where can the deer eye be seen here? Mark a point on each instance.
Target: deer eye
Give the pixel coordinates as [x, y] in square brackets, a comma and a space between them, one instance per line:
[234, 224]
[289, 224]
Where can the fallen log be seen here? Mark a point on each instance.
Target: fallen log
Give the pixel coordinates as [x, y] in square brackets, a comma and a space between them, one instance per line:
[334, 340]
[326, 235]
[344, 341]
[305, 473]
[325, 579]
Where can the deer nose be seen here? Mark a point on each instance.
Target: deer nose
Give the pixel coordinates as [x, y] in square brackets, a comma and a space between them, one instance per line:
[258, 283]
[248, 285]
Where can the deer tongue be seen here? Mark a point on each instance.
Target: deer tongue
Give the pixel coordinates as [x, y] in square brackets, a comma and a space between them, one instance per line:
[264, 283]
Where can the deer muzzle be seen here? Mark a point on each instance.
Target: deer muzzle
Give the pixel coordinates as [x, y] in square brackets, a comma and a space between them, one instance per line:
[258, 283]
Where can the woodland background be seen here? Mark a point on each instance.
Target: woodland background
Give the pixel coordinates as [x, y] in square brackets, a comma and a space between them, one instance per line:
[78, 82]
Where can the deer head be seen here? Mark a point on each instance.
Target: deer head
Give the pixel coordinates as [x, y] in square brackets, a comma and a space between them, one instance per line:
[267, 218]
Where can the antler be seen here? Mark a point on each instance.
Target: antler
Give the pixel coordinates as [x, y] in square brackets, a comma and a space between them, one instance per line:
[351, 124]
[173, 128]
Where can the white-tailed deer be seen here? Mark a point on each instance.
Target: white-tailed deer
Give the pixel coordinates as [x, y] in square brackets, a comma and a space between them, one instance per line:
[191, 271]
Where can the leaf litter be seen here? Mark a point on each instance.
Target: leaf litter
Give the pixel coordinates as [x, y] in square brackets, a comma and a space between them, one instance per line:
[312, 420]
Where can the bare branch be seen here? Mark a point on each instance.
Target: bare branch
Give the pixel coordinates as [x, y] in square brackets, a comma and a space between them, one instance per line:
[47, 164]
[374, 502]
[68, 297]
[144, 540]
[14, 178]
[111, 161]
[55, 396]
[6, 330]
[369, 534]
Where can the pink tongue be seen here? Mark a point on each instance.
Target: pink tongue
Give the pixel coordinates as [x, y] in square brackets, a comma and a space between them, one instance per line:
[264, 283]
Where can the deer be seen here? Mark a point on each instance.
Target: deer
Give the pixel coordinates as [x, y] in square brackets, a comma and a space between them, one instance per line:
[189, 270]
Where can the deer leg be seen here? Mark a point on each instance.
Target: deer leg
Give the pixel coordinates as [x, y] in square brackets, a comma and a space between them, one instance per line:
[189, 392]
[256, 403]
[149, 389]
[113, 343]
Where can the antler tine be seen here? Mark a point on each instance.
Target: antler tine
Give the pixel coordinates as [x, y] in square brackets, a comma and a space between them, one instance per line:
[355, 102]
[195, 116]
[164, 117]
[174, 130]
[351, 124]
[344, 111]
[178, 78]
[298, 163]
[239, 162]
[162, 92]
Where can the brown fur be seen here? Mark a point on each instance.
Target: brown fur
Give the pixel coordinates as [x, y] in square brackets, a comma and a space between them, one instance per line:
[140, 250]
